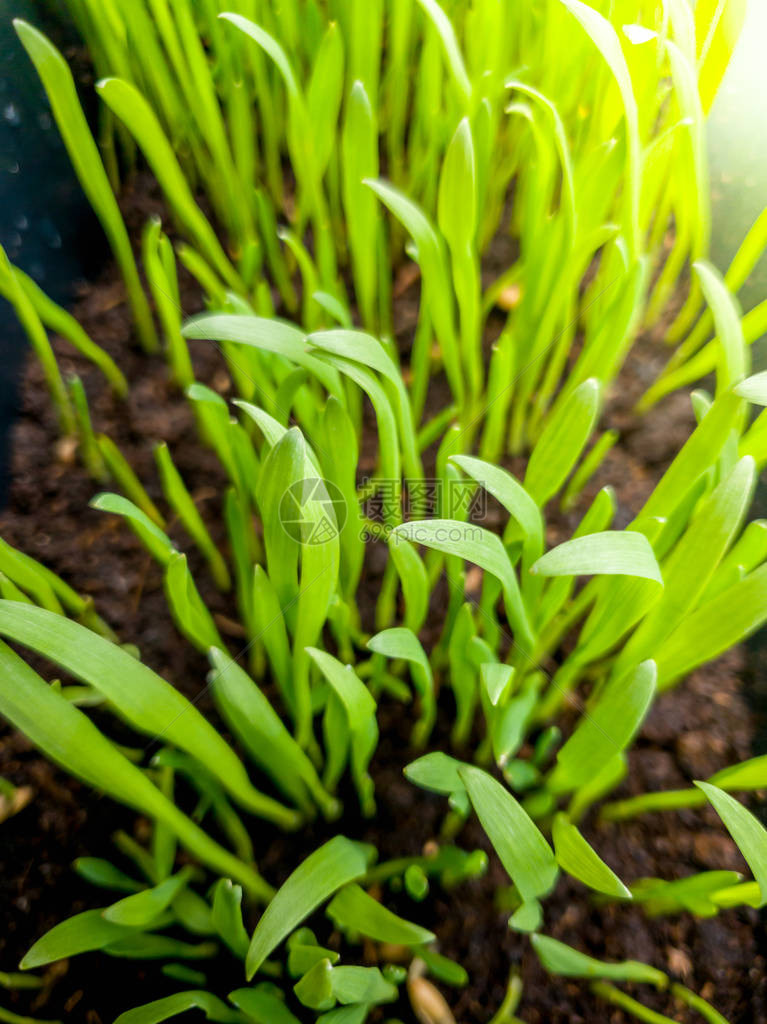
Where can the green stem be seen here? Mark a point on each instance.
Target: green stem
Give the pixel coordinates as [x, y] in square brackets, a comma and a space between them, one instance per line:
[436, 427]
[706, 1010]
[670, 800]
[507, 1010]
[387, 597]
[563, 683]
[617, 998]
[14, 1018]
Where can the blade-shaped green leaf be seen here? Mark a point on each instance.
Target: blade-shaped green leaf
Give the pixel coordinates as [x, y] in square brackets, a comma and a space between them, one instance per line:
[315, 989]
[610, 553]
[323, 95]
[346, 1015]
[750, 774]
[353, 985]
[279, 493]
[457, 196]
[747, 831]
[605, 38]
[733, 364]
[446, 32]
[32, 578]
[443, 969]
[528, 917]
[415, 583]
[261, 731]
[105, 874]
[275, 336]
[576, 857]
[359, 149]
[301, 958]
[481, 547]
[437, 772]
[70, 739]
[352, 909]
[227, 916]
[359, 347]
[352, 692]
[401, 642]
[697, 894]
[754, 389]
[136, 113]
[697, 455]
[183, 504]
[433, 263]
[714, 627]
[178, 1003]
[497, 680]
[262, 1006]
[141, 908]
[360, 709]
[511, 494]
[58, 319]
[606, 728]
[563, 439]
[339, 453]
[559, 958]
[337, 863]
[190, 613]
[521, 847]
[143, 698]
[79, 934]
[83, 152]
[693, 561]
[149, 533]
[148, 946]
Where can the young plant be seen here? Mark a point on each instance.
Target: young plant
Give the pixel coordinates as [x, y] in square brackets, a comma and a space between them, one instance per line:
[488, 138]
[219, 98]
[666, 588]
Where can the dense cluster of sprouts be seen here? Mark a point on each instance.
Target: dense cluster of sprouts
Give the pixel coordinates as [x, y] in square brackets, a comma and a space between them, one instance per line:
[332, 142]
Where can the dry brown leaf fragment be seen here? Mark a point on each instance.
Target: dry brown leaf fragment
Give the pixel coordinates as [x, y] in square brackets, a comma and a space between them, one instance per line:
[429, 1005]
[393, 954]
[474, 577]
[66, 450]
[228, 626]
[679, 962]
[510, 297]
[407, 276]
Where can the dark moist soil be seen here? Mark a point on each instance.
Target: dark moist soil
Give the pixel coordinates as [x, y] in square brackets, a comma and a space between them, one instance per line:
[702, 726]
